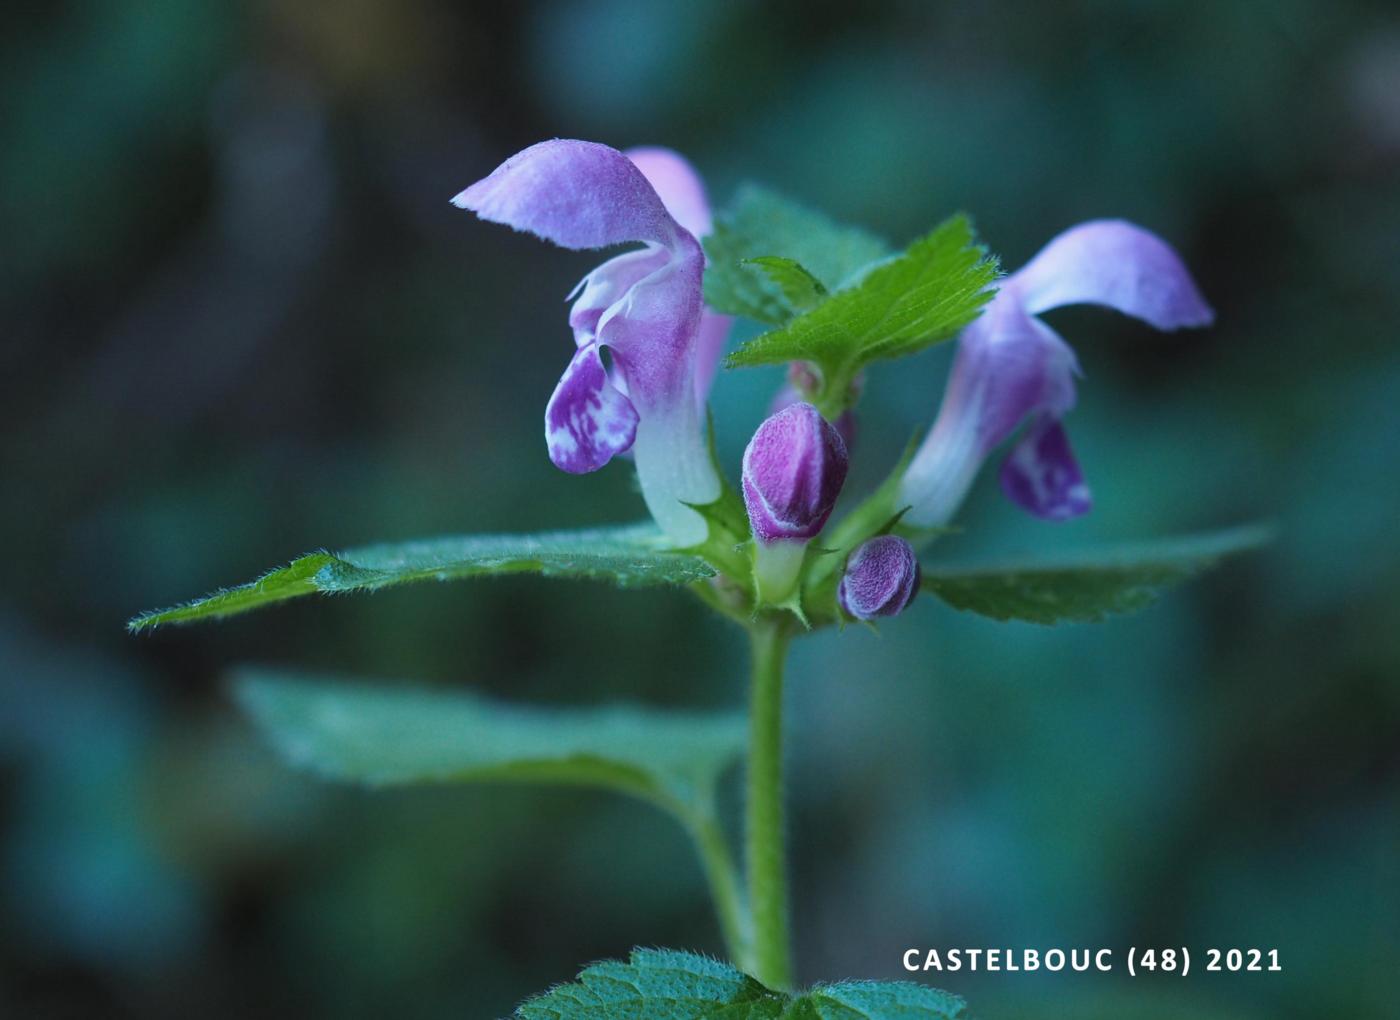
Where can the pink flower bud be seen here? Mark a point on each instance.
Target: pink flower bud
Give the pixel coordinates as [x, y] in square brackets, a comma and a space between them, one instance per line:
[794, 468]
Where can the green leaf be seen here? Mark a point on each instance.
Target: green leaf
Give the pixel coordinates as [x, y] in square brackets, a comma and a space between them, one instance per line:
[760, 224]
[630, 556]
[658, 984]
[880, 1000]
[387, 735]
[1086, 587]
[937, 286]
[800, 289]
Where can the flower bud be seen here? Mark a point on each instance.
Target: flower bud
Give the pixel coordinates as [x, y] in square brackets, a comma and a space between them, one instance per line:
[794, 468]
[882, 577]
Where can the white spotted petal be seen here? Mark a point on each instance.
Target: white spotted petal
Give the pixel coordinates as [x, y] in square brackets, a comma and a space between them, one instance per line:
[587, 421]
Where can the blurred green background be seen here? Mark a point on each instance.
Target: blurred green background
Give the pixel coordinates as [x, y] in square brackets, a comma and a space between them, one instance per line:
[239, 320]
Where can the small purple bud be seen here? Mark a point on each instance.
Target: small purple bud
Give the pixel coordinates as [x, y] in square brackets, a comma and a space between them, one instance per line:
[882, 577]
[794, 468]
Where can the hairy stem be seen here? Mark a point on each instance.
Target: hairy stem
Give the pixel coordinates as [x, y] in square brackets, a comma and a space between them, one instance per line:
[764, 835]
[723, 879]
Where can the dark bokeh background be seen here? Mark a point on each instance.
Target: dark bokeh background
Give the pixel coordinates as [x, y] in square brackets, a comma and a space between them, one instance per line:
[239, 320]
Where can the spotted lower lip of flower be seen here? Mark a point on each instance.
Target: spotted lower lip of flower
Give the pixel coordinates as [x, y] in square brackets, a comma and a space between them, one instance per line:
[1012, 369]
[587, 421]
[643, 307]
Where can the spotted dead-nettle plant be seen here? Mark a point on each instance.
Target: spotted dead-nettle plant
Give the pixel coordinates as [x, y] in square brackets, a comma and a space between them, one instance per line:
[786, 551]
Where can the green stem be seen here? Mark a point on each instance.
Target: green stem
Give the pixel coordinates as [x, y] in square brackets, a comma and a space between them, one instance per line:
[764, 836]
[723, 879]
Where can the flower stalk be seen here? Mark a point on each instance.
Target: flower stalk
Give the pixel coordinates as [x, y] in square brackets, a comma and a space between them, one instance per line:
[765, 838]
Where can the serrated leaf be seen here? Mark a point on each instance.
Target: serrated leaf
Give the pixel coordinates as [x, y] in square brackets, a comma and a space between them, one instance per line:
[923, 296]
[800, 289]
[657, 985]
[660, 984]
[760, 224]
[879, 1000]
[387, 735]
[631, 556]
[1085, 587]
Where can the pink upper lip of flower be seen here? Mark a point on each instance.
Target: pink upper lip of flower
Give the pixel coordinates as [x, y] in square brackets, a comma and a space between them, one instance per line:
[644, 307]
[1012, 368]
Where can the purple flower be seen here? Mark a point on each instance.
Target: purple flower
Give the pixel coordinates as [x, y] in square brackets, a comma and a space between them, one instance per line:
[794, 468]
[644, 307]
[1012, 368]
[683, 194]
[881, 579]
